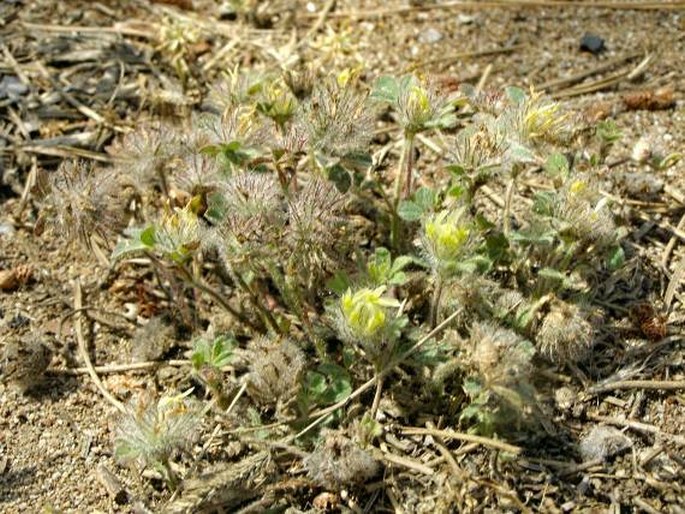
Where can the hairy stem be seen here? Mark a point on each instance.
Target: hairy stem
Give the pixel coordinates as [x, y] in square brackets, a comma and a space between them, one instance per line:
[265, 313]
[198, 283]
[377, 395]
[435, 301]
[506, 214]
[402, 183]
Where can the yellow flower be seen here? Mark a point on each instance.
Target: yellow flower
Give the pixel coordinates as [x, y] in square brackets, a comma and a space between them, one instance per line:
[365, 311]
[446, 234]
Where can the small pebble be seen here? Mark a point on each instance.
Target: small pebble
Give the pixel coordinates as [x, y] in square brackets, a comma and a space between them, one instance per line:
[430, 36]
[592, 43]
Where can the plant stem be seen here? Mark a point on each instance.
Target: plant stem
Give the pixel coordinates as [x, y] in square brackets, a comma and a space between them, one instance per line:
[506, 214]
[402, 182]
[218, 297]
[435, 301]
[168, 473]
[377, 395]
[266, 314]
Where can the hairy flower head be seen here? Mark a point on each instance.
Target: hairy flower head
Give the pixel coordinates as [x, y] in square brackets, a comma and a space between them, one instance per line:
[585, 212]
[566, 333]
[366, 312]
[177, 234]
[446, 237]
[84, 201]
[542, 119]
[151, 431]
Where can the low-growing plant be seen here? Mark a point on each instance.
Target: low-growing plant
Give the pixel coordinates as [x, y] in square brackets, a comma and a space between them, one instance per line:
[276, 185]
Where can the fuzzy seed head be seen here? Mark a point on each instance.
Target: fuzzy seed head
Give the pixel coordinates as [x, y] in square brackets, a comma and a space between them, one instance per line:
[151, 431]
[277, 102]
[85, 201]
[145, 153]
[178, 234]
[151, 341]
[642, 151]
[565, 335]
[420, 105]
[542, 119]
[498, 355]
[254, 215]
[339, 463]
[480, 147]
[603, 442]
[276, 369]
[313, 224]
[338, 120]
[585, 213]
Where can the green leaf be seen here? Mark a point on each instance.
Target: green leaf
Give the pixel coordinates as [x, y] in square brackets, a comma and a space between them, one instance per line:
[409, 210]
[608, 131]
[516, 95]
[386, 89]
[475, 264]
[147, 236]
[339, 283]
[217, 353]
[330, 383]
[401, 262]
[521, 153]
[472, 387]
[340, 177]
[543, 203]
[554, 276]
[557, 165]
[456, 170]
[398, 279]
[497, 245]
[216, 207]
[379, 266]
[616, 259]
[534, 235]
[137, 240]
[357, 160]
[425, 198]
[456, 191]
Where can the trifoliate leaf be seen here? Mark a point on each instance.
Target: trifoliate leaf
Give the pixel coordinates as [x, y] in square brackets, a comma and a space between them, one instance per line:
[410, 210]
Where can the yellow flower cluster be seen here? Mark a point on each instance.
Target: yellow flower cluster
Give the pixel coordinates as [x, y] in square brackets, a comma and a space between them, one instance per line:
[365, 311]
[446, 234]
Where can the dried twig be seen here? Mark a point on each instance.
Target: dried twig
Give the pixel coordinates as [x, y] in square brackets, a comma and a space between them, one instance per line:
[506, 4]
[552, 85]
[450, 434]
[406, 462]
[605, 82]
[676, 278]
[120, 368]
[640, 427]
[663, 385]
[83, 350]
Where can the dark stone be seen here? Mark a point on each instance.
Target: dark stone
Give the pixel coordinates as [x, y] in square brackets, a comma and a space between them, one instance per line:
[592, 43]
